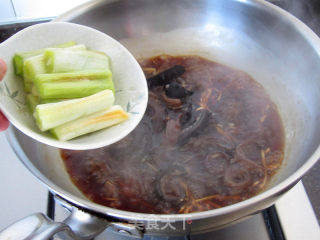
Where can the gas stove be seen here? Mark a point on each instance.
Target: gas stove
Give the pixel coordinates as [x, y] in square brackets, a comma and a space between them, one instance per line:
[295, 216]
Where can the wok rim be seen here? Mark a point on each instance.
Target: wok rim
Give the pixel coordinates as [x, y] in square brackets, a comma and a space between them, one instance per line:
[272, 192]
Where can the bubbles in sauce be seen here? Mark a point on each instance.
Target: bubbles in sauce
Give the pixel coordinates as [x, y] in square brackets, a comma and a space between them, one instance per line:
[211, 137]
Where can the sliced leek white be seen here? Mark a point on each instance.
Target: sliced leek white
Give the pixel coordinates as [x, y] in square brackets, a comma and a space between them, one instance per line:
[51, 115]
[91, 123]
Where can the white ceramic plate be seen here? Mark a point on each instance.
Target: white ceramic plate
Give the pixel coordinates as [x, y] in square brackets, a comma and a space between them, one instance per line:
[130, 83]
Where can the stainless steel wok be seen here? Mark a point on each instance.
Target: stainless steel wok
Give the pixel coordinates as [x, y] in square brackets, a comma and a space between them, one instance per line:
[274, 47]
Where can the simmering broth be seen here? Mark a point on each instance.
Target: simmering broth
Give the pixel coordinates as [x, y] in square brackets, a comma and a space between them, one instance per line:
[211, 137]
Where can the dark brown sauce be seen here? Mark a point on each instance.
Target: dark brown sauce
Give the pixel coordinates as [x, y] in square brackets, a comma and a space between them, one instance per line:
[216, 146]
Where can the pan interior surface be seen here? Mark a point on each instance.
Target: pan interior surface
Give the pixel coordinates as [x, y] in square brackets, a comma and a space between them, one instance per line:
[273, 47]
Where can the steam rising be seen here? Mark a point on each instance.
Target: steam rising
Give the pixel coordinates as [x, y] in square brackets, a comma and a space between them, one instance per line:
[305, 10]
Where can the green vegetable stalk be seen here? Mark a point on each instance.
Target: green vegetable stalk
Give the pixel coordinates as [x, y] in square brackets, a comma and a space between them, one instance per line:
[91, 123]
[73, 89]
[69, 89]
[35, 65]
[32, 102]
[51, 115]
[73, 76]
[65, 60]
[19, 58]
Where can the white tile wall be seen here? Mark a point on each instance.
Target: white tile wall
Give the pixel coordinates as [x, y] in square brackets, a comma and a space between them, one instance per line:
[43, 8]
[6, 10]
[17, 10]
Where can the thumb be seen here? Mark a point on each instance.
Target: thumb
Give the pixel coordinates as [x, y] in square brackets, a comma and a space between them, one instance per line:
[3, 68]
[4, 123]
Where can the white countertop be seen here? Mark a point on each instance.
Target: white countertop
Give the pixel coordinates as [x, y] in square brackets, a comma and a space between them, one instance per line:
[21, 193]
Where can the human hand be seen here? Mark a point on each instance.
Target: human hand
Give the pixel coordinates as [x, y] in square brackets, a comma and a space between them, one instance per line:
[4, 123]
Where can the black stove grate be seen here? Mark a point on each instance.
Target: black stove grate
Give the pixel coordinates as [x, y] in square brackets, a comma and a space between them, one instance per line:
[273, 225]
[8, 30]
